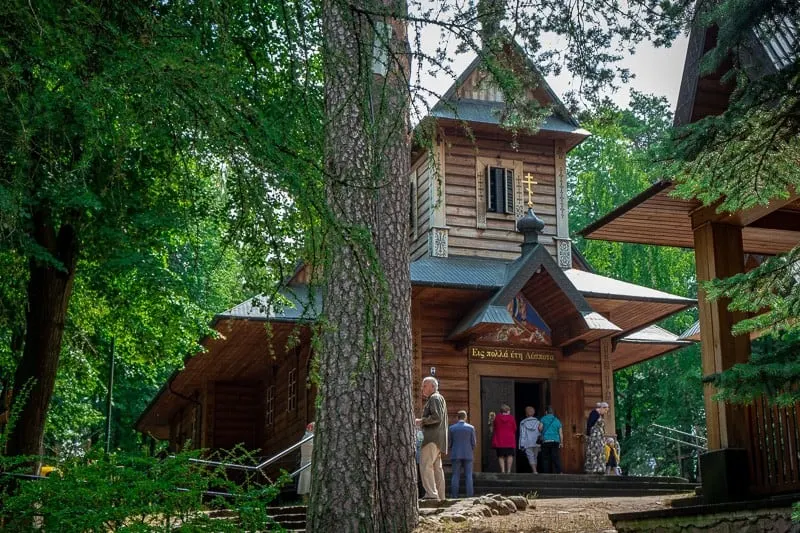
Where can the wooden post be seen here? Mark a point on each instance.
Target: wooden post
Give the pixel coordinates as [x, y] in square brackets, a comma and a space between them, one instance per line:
[719, 254]
[562, 240]
[607, 384]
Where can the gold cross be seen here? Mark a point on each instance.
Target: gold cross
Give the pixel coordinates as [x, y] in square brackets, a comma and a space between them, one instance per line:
[529, 181]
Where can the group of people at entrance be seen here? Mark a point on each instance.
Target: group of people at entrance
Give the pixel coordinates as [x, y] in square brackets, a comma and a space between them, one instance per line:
[541, 440]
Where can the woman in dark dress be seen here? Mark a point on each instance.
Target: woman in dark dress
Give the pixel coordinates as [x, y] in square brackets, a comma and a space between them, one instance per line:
[595, 440]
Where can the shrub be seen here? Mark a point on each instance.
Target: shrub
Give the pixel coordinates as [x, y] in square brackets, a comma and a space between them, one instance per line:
[133, 493]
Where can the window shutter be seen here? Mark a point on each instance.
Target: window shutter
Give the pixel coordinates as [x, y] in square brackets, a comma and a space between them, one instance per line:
[491, 198]
[509, 184]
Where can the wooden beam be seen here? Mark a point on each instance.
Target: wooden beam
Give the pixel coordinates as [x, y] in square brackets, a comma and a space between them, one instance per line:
[574, 347]
[706, 214]
[607, 383]
[719, 254]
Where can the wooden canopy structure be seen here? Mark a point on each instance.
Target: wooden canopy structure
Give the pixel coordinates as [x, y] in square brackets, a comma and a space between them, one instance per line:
[764, 437]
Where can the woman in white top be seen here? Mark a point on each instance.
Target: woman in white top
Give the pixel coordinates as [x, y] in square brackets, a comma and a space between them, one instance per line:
[306, 451]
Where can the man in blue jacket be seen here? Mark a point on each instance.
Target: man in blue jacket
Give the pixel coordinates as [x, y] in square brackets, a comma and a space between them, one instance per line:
[462, 445]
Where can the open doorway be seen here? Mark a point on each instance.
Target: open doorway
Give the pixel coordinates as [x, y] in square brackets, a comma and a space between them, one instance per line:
[518, 394]
[526, 393]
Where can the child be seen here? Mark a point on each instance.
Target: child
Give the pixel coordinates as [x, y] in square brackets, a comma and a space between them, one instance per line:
[611, 450]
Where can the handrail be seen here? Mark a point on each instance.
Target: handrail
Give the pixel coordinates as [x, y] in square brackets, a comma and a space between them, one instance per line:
[679, 431]
[259, 467]
[297, 472]
[690, 444]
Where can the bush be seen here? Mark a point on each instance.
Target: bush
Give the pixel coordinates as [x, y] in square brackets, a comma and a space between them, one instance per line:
[133, 493]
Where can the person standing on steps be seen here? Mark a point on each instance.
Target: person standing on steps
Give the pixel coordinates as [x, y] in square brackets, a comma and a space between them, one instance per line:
[596, 439]
[552, 442]
[529, 434]
[504, 438]
[462, 447]
[434, 442]
[306, 451]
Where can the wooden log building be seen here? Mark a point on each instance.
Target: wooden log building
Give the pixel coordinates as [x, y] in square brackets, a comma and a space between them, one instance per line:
[754, 450]
[504, 309]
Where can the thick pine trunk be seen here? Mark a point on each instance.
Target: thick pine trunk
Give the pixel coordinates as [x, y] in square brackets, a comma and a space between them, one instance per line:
[49, 291]
[364, 476]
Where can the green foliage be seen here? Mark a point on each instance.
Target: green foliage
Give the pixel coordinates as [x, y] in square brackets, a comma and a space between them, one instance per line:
[170, 137]
[132, 492]
[743, 158]
[606, 170]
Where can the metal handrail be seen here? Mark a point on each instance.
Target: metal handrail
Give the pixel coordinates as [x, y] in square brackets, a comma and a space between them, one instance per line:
[690, 444]
[261, 466]
[297, 472]
[679, 431]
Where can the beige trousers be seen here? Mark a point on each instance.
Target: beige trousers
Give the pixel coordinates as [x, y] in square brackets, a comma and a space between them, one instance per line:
[430, 466]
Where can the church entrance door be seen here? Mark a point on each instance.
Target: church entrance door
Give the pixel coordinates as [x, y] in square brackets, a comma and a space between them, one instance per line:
[517, 394]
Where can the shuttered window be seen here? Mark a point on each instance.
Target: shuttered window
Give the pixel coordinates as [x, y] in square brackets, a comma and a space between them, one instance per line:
[499, 190]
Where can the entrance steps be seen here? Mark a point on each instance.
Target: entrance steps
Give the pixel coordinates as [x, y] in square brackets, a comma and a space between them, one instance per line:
[577, 485]
[292, 518]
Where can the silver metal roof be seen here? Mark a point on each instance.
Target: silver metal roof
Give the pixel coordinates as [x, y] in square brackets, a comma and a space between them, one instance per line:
[654, 335]
[595, 285]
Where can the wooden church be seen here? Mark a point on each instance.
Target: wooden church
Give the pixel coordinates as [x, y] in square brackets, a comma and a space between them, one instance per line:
[504, 309]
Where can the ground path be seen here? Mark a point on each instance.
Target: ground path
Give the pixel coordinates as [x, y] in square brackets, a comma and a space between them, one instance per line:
[558, 515]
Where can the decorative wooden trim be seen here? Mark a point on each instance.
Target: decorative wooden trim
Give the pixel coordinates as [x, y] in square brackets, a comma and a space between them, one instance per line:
[437, 187]
[563, 252]
[562, 209]
[437, 242]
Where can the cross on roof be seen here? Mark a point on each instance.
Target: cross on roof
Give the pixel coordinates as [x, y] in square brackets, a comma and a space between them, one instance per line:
[529, 182]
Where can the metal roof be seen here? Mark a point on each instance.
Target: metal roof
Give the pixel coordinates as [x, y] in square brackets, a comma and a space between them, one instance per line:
[654, 335]
[693, 333]
[597, 286]
[291, 303]
[459, 272]
[487, 112]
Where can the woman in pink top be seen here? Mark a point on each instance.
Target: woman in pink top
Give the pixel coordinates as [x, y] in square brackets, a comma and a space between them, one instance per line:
[504, 437]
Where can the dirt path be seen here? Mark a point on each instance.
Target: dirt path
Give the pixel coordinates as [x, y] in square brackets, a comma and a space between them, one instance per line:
[561, 515]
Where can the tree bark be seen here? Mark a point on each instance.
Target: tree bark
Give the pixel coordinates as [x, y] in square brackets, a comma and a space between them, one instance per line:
[49, 291]
[363, 464]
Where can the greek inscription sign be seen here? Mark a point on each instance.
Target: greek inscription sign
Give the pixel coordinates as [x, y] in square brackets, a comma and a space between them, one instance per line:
[512, 355]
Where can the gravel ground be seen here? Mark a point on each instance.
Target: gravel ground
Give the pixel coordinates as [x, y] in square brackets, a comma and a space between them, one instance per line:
[560, 515]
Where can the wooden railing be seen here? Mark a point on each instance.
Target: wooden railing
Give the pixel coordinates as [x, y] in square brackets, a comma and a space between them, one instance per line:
[774, 447]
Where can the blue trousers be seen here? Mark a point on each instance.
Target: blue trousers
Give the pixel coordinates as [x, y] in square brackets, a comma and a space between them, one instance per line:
[458, 464]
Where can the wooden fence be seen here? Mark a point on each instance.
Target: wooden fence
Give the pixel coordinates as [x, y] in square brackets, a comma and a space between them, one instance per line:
[774, 447]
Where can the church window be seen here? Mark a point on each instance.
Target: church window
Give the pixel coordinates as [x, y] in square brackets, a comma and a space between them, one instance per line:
[269, 407]
[292, 389]
[499, 190]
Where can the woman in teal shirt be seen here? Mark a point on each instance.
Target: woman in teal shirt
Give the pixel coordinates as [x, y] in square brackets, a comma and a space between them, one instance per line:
[552, 442]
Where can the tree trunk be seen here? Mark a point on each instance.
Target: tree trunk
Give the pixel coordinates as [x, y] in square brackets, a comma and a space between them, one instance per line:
[363, 464]
[49, 291]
